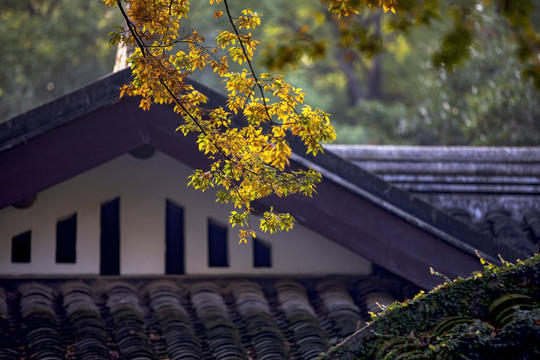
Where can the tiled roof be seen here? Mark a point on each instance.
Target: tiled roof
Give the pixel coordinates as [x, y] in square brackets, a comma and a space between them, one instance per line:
[495, 189]
[183, 318]
[478, 179]
[504, 229]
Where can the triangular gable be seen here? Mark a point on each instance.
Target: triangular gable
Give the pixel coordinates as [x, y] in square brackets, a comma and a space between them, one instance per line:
[354, 208]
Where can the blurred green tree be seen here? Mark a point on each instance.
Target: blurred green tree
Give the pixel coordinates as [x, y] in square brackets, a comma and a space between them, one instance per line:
[51, 47]
[435, 72]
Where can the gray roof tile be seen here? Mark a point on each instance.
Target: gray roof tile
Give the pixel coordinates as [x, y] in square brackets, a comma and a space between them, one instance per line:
[180, 318]
[495, 189]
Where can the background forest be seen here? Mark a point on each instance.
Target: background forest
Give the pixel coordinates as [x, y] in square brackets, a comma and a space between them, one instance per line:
[379, 92]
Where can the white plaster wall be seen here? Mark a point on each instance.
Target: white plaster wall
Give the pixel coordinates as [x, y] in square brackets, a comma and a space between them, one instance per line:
[143, 187]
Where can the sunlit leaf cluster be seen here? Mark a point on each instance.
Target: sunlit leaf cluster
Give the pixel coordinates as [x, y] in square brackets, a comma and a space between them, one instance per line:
[250, 159]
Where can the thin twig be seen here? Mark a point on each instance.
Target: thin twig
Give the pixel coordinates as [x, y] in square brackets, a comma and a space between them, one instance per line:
[131, 28]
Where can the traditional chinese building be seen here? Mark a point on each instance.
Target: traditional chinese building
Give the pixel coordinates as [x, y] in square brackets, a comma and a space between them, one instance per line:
[105, 253]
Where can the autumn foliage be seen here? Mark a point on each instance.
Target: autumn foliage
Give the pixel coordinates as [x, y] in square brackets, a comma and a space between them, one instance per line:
[250, 161]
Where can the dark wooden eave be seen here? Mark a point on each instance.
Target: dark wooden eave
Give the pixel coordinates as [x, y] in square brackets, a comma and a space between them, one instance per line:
[354, 208]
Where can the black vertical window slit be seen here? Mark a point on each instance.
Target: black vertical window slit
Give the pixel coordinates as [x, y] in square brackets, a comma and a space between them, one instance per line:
[217, 245]
[262, 253]
[110, 238]
[66, 240]
[21, 247]
[174, 239]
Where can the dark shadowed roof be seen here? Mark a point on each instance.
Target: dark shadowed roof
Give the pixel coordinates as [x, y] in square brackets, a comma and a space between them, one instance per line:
[353, 207]
[496, 189]
[185, 318]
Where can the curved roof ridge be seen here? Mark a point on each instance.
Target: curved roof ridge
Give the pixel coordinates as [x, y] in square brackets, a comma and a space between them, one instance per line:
[437, 153]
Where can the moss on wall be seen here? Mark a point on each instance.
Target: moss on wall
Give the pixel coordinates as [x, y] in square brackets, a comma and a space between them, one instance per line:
[494, 314]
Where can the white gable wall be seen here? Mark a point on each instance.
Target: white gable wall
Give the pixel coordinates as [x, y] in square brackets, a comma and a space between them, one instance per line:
[143, 187]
